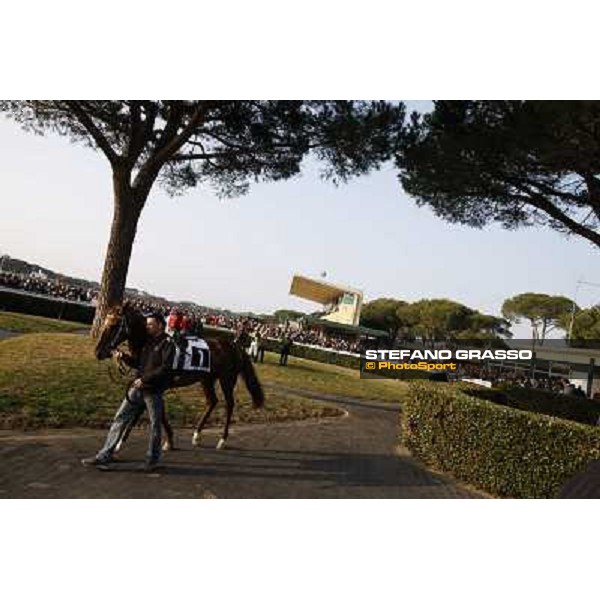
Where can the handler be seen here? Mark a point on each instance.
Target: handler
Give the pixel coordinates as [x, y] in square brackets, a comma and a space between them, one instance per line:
[154, 375]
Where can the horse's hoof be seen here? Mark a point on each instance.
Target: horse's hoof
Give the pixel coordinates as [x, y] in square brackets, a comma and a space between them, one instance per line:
[196, 439]
[167, 446]
[221, 444]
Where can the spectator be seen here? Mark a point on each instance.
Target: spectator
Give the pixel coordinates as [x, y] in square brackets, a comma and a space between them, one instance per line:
[286, 346]
[260, 347]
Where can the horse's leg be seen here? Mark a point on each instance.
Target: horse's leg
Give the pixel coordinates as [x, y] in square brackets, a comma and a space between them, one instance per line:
[227, 385]
[211, 400]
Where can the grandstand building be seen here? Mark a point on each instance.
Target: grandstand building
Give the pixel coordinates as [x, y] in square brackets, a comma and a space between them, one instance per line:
[341, 304]
[341, 308]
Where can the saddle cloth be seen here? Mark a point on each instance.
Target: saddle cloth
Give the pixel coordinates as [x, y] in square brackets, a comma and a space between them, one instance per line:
[194, 356]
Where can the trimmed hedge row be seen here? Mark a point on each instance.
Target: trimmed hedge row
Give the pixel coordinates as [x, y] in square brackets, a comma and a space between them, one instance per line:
[507, 452]
[323, 356]
[581, 410]
[53, 308]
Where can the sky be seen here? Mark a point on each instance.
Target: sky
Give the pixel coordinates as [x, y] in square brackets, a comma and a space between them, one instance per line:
[240, 254]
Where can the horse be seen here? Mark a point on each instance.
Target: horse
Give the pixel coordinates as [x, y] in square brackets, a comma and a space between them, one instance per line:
[228, 361]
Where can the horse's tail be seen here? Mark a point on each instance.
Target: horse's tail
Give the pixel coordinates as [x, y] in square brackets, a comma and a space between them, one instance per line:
[251, 381]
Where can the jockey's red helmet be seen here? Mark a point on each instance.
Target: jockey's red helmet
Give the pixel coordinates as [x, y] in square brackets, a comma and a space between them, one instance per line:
[174, 320]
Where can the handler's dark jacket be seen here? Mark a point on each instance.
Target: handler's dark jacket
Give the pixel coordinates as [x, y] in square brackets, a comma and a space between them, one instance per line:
[155, 362]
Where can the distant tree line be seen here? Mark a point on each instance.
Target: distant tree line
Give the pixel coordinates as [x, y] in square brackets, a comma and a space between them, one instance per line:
[439, 319]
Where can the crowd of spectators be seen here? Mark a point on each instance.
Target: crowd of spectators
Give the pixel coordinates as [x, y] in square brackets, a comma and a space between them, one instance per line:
[324, 340]
[38, 283]
[498, 376]
[252, 326]
[293, 331]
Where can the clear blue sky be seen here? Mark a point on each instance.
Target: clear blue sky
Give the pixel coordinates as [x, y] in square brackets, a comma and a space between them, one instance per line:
[55, 202]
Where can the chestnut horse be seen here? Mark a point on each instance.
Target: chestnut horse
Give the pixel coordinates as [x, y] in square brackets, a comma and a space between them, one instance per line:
[227, 361]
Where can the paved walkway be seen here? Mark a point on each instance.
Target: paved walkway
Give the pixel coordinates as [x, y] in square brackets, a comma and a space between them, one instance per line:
[585, 484]
[355, 456]
[5, 334]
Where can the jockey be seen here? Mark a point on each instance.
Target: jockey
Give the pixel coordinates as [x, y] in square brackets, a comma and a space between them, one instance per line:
[175, 328]
[174, 320]
[186, 325]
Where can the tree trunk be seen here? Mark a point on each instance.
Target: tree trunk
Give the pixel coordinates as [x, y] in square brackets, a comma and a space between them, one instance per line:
[544, 326]
[534, 334]
[127, 209]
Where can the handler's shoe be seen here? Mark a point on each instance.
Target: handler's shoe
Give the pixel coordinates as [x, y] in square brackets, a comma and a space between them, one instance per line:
[94, 461]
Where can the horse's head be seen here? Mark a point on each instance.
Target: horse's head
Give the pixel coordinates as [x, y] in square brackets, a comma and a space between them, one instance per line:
[114, 331]
[122, 323]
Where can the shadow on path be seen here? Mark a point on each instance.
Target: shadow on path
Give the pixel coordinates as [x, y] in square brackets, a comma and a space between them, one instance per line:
[351, 457]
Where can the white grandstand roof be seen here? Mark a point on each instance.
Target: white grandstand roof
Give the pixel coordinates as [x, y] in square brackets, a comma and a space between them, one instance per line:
[319, 290]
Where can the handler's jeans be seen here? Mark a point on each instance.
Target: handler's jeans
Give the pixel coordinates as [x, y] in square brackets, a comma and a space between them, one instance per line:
[129, 412]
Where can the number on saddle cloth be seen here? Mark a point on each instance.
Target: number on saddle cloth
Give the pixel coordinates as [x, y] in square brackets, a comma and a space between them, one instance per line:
[192, 356]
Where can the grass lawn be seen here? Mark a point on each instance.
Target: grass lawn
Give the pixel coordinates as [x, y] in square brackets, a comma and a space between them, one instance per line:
[50, 378]
[54, 380]
[19, 323]
[329, 379]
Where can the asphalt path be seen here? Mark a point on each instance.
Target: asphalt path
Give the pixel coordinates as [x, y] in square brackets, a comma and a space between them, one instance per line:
[354, 456]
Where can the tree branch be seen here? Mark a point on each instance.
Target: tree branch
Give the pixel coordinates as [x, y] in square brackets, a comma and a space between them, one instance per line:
[96, 134]
[593, 187]
[242, 147]
[546, 189]
[135, 132]
[545, 205]
[202, 156]
[225, 142]
[171, 143]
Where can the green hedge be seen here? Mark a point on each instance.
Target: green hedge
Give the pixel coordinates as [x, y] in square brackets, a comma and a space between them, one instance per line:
[582, 410]
[507, 452]
[53, 308]
[323, 356]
